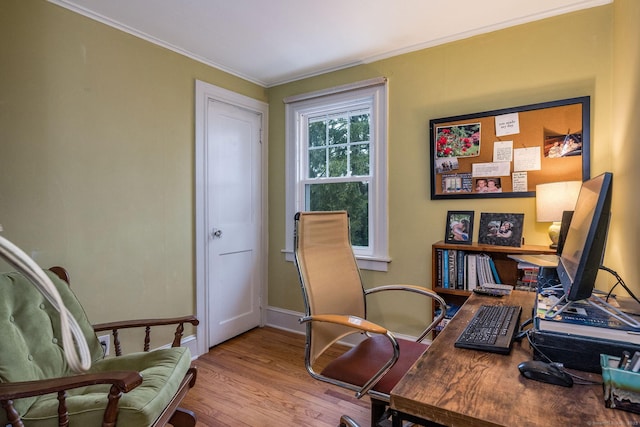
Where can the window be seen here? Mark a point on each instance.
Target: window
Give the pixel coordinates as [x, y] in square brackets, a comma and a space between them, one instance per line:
[336, 160]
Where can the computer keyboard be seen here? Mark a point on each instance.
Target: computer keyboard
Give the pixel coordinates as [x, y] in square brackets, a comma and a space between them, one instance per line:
[491, 329]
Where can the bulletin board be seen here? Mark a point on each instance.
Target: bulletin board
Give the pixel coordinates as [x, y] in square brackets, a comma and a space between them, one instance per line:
[507, 152]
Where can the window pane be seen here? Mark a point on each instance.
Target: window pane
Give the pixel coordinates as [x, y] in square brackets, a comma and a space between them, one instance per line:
[317, 134]
[337, 161]
[317, 163]
[360, 159]
[338, 131]
[350, 196]
[360, 128]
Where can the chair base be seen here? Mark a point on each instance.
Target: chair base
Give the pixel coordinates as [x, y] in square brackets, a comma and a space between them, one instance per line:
[346, 421]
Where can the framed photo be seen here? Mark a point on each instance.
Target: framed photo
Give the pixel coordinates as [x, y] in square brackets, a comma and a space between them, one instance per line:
[459, 227]
[501, 229]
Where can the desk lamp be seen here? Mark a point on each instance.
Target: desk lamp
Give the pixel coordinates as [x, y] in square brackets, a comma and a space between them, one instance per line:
[552, 199]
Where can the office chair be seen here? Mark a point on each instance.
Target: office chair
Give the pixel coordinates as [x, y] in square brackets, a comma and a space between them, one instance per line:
[335, 306]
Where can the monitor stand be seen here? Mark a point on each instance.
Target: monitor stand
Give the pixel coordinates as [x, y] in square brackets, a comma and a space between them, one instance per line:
[598, 303]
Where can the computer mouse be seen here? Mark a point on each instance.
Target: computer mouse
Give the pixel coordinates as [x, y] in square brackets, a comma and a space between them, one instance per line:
[545, 372]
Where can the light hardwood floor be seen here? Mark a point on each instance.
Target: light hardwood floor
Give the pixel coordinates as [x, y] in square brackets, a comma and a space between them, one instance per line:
[258, 379]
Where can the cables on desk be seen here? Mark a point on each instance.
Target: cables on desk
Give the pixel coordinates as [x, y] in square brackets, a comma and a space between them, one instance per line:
[577, 378]
[619, 281]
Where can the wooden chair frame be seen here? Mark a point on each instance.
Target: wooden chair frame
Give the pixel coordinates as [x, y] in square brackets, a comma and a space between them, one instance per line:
[121, 381]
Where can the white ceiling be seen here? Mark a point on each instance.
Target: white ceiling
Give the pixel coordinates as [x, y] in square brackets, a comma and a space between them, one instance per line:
[270, 42]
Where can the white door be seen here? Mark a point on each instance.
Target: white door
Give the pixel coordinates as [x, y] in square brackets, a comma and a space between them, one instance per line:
[234, 219]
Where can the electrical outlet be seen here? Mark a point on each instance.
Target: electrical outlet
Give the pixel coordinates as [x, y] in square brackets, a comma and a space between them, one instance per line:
[105, 342]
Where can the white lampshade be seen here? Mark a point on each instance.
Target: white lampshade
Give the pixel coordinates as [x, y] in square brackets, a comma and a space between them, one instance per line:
[554, 198]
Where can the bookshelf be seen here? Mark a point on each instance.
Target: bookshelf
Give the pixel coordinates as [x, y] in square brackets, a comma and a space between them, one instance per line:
[506, 267]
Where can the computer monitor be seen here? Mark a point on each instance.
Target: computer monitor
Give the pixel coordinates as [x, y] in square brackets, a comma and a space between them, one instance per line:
[586, 238]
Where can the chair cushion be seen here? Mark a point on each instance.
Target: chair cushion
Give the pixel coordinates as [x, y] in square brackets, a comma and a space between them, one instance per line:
[162, 372]
[30, 332]
[361, 362]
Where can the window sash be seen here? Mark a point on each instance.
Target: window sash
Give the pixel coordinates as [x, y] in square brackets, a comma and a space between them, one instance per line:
[307, 109]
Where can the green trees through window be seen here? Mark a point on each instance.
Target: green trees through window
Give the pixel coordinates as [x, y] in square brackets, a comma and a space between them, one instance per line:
[336, 159]
[339, 167]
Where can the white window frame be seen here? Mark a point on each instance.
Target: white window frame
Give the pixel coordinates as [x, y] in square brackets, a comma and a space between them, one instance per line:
[298, 108]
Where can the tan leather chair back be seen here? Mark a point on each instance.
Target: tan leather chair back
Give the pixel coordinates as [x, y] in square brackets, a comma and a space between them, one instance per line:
[329, 275]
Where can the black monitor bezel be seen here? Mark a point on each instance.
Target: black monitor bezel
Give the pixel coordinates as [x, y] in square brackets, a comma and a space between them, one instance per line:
[582, 284]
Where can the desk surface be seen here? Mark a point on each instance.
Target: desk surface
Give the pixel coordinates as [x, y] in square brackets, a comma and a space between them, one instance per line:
[457, 387]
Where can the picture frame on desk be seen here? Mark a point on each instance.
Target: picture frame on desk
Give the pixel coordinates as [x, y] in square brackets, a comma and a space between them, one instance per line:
[501, 229]
[459, 228]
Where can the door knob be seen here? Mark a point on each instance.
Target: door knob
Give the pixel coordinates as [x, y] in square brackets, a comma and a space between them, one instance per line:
[216, 232]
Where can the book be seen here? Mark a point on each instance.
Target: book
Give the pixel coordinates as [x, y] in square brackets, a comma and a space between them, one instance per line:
[484, 270]
[472, 274]
[494, 271]
[452, 268]
[527, 277]
[439, 268]
[582, 319]
[445, 268]
[460, 268]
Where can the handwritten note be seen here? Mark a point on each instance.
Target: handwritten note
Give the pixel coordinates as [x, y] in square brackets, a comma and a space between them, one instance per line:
[502, 151]
[526, 159]
[519, 181]
[507, 124]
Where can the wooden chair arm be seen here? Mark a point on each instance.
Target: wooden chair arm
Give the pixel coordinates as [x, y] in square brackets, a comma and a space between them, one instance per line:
[142, 323]
[125, 381]
[344, 320]
[114, 327]
[121, 382]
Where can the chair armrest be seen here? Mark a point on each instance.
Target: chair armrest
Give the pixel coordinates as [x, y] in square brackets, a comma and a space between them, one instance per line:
[114, 327]
[125, 381]
[141, 323]
[365, 326]
[344, 320]
[121, 382]
[421, 291]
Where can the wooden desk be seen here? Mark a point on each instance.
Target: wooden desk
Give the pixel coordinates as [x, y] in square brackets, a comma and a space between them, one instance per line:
[460, 387]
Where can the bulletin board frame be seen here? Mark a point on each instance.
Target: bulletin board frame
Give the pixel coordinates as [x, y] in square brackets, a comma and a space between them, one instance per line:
[507, 152]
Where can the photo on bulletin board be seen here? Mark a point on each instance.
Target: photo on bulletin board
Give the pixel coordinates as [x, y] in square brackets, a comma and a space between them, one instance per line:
[459, 227]
[501, 229]
[507, 152]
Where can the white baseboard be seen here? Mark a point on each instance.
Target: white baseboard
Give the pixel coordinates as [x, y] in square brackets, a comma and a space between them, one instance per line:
[191, 342]
[284, 319]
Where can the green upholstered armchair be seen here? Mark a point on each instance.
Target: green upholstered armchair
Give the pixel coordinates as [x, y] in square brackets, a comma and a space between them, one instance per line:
[37, 387]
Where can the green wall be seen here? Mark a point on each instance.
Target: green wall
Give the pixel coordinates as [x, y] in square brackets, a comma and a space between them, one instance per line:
[556, 58]
[622, 143]
[97, 158]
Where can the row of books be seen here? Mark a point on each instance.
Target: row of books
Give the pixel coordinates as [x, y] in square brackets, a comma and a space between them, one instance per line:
[528, 277]
[459, 269]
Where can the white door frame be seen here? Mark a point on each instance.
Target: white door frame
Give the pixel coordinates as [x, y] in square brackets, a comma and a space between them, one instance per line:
[203, 93]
